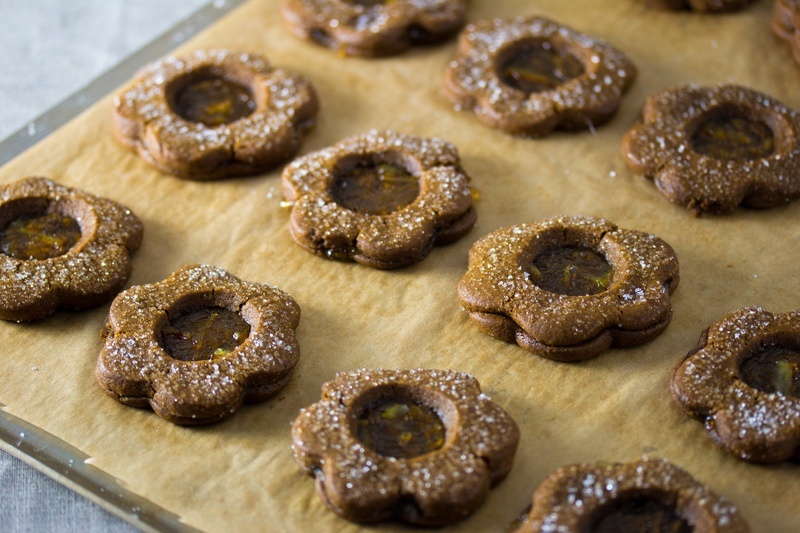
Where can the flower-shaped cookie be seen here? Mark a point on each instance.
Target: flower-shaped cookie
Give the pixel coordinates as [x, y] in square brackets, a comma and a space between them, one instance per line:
[373, 27]
[713, 148]
[786, 24]
[705, 6]
[645, 495]
[568, 288]
[422, 446]
[531, 75]
[214, 114]
[743, 382]
[198, 344]
[382, 199]
[61, 247]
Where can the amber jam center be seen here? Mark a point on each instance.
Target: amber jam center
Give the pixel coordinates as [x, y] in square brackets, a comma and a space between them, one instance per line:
[535, 66]
[400, 428]
[571, 270]
[730, 136]
[640, 515]
[39, 236]
[374, 187]
[205, 333]
[773, 369]
[214, 101]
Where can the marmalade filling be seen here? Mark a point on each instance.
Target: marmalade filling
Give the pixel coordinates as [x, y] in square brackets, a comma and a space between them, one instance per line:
[640, 515]
[733, 137]
[214, 101]
[374, 188]
[535, 66]
[204, 334]
[39, 236]
[773, 369]
[571, 270]
[400, 429]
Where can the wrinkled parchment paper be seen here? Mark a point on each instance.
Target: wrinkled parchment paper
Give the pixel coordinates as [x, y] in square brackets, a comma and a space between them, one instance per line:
[240, 475]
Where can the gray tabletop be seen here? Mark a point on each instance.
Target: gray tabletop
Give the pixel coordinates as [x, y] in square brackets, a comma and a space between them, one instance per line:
[51, 49]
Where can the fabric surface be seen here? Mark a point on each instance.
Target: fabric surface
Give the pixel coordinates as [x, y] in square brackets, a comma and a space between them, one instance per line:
[34, 502]
[53, 48]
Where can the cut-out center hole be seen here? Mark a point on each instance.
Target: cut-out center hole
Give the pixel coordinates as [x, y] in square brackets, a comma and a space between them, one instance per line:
[204, 333]
[571, 270]
[773, 369]
[214, 101]
[400, 427]
[536, 65]
[727, 134]
[39, 236]
[374, 186]
[639, 514]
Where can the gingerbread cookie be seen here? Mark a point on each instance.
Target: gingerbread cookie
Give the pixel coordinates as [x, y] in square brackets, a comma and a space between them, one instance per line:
[645, 495]
[195, 346]
[743, 383]
[786, 24]
[421, 446]
[373, 27]
[531, 75]
[569, 288]
[705, 6]
[382, 199]
[214, 114]
[61, 247]
[711, 149]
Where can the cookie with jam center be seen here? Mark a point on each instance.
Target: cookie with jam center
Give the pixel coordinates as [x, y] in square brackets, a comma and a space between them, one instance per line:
[530, 75]
[645, 495]
[420, 446]
[215, 114]
[743, 383]
[712, 149]
[197, 345]
[372, 28]
[568, 288]
[61, 247]
[382, 199]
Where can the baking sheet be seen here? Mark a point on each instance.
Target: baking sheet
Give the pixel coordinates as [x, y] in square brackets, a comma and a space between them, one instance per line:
[240, 474]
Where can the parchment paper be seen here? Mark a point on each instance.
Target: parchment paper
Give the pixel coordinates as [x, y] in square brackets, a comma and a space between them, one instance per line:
[240, 475]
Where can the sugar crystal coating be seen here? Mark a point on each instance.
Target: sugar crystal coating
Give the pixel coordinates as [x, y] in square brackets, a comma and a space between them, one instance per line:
[144, 117]
[660, 147]
[501, 298]
[88, 274]
[707, 384]
[134, 367]
[436, 488]
[373, 29]
[472, 80]
[572, 497]
[441, 213]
